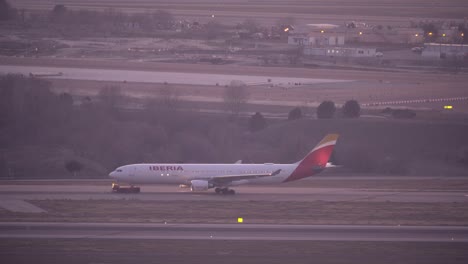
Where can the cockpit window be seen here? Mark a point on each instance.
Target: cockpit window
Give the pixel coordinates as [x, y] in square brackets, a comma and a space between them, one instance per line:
[119, 170]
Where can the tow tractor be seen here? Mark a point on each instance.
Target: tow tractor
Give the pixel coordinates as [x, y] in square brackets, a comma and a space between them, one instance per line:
[125, 189]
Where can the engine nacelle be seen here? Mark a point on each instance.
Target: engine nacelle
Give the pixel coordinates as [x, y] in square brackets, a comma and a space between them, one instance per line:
[200, 185]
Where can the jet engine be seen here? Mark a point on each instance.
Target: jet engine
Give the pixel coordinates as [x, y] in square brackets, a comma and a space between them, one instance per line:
[200, 185]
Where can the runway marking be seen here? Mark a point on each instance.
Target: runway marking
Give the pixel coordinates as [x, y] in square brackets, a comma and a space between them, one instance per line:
[20, 206]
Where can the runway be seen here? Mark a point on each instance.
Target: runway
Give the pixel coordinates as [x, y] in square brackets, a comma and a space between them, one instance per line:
[157, 76]
[244, 193]
[234, 232]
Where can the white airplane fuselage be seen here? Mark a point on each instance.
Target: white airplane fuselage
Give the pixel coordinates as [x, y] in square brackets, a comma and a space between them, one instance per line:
[185, 173]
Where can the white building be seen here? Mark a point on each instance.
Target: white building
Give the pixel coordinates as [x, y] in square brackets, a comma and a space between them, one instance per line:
[440, 51]
[341, 52]
[317, 35]
[316, 40]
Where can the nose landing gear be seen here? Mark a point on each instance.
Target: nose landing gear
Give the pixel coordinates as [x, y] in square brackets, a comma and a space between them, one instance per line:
[224, 191]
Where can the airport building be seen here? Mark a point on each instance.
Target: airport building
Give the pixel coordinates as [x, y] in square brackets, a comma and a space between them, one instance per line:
[329, 40]
[441, 51]
[341, 52]
[317, 35]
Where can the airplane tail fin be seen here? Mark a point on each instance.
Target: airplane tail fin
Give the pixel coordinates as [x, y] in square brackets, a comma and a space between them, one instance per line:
[316, 160]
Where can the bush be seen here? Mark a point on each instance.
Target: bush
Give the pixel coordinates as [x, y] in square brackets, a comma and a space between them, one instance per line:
[6, 12]
[463, 156]
[351, 109]
[326, 110]
[73, 167]
[403, 113]
[3, 168]
[295, 113]
[235, 97]
[257, 122]
[387, 110]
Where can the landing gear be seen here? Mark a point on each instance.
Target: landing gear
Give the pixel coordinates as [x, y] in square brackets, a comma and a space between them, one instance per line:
[125, 189]
[225, 191]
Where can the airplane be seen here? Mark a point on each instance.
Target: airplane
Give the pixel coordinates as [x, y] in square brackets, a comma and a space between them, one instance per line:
[201, 177]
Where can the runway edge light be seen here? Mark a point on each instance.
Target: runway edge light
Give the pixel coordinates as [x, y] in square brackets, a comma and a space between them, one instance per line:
[240, 220]
[448, 107]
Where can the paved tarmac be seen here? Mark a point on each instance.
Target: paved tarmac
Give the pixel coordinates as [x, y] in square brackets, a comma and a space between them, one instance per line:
[157, 76]
[233, 232]
[244, 193]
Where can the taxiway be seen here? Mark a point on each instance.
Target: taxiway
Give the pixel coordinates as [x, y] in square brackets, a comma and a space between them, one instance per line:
[234, 232]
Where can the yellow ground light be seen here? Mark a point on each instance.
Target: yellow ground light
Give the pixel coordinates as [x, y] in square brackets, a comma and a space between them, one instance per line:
[448, 107]
[240, 220]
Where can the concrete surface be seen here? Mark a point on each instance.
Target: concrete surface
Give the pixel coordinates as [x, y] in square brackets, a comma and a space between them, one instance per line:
[244, 193]
[157, 76]
[234, 232]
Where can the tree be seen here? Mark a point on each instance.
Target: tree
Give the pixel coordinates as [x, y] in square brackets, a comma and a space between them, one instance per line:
[430, 32]
[65, 106]
[250, 25]
[257, 122]
[168, 97]
[3, 168]
[4, 10]
[463, 156]
[26, 100]
[58, 13]
[326, 110]
[235, 97]
[295, 113]
[66, 99]
[351, 109]
[163, 108]
[73, 166]
[111, 97]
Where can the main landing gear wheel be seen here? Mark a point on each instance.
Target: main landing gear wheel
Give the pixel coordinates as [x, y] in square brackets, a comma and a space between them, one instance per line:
[225, 191]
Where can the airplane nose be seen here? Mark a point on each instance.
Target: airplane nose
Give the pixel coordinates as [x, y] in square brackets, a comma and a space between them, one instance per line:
[112, 174]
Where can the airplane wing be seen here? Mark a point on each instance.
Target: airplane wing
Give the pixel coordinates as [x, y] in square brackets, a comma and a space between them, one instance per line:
[224, 179]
